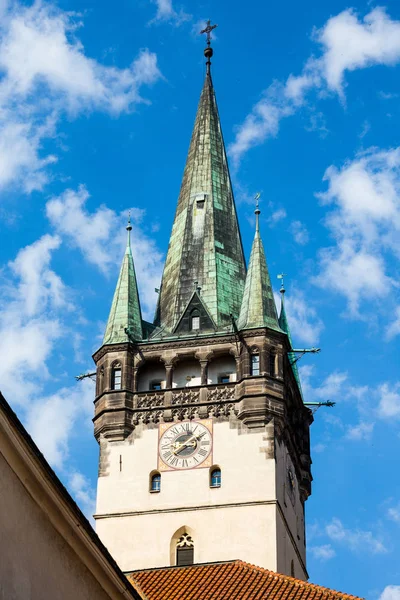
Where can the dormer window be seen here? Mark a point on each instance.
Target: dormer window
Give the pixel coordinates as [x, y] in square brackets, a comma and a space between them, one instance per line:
[195, 321]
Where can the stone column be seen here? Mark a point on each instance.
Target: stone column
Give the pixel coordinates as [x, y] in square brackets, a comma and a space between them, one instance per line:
[135, 379]
[169, 370]
[203, 372]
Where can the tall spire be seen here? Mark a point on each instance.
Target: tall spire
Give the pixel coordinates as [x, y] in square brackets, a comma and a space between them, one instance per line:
[205, 243]
[284, 325]
[258, 305]
[125, 314]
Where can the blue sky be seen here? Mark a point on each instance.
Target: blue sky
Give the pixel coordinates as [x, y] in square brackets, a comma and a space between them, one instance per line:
[96, 112]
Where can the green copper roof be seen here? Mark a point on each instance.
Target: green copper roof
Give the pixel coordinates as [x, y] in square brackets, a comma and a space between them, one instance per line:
[125, 310]
[258, 305]
[205, 244]
[284, 325]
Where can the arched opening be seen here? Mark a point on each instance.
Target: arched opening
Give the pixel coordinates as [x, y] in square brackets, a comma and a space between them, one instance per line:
[182, 547]
[222, 369]
[151, 376]
[215, 477]
[272, 362]
[116, 376]
[184, 550]
[155, 482]
[186, 373]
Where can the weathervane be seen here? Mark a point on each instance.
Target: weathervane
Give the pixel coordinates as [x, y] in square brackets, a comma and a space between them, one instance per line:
[208, 29]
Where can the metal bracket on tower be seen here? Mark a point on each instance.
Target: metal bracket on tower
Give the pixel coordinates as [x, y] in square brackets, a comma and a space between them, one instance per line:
[91, 376]
[302, 352]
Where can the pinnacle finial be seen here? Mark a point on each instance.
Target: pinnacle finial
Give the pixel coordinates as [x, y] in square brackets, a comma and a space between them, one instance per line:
[129, 226]
[257, 211]
[208, 52]
[129, 229]
[281, 276]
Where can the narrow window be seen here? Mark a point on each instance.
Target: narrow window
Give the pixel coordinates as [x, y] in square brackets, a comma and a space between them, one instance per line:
[155, 385]
[195, 322]
[116, 377]
[292, 568]
[272, 357]
[184, 551]
[255, 364]
[215, 479]
[155, 482]
[224, 378]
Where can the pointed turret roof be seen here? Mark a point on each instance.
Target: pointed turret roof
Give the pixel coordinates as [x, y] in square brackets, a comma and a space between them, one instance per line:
[258, 305]
[205, 244]
[125, 310]
[284, 325]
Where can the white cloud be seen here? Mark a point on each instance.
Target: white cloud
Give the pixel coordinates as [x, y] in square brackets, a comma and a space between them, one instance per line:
[393, 514]
[167, 13]
[389, 401]
[299, 233]
[276, 216]
[351, 43]
[45, 72]
[362, 431]
[393, 329]
[324, 552]
[347, 42]
[85, 496]
[101, 237]
[51, 420]
[33, 299]
[355, 539]
[305, 325]
[391, 592]
[365, 222]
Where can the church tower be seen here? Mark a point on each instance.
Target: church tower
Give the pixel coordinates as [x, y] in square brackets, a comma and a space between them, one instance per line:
[203, 433]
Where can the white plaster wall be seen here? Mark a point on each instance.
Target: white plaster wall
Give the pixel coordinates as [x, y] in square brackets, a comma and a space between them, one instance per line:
[233, 451]
[36, 562]
[221, 366]
[185, 369]
[150, 373]
[247, 476]
[246, 533]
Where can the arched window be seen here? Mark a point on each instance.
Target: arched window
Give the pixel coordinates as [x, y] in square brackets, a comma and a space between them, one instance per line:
[272, 361]
[215, 477]
[184, 551]
[155, 482]
[255, 363]
[195, 320]
[116, 376]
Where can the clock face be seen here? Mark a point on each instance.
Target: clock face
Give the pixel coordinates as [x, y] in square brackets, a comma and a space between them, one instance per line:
[185, 445]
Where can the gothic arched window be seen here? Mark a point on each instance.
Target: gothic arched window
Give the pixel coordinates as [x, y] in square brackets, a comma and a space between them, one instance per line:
[215, 477]
[155, 482]
[272, 361]
[184, 551]
[116, 376]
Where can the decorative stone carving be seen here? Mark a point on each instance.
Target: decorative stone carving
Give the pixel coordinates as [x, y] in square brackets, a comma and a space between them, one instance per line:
[185, 396]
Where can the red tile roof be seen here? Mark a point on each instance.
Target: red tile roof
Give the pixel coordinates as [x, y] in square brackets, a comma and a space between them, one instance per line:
[228, 580]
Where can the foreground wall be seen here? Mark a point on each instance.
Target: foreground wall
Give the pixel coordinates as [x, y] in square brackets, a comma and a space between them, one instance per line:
[47, 548]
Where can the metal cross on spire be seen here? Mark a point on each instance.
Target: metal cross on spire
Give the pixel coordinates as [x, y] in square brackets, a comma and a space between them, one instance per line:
[208, 29]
